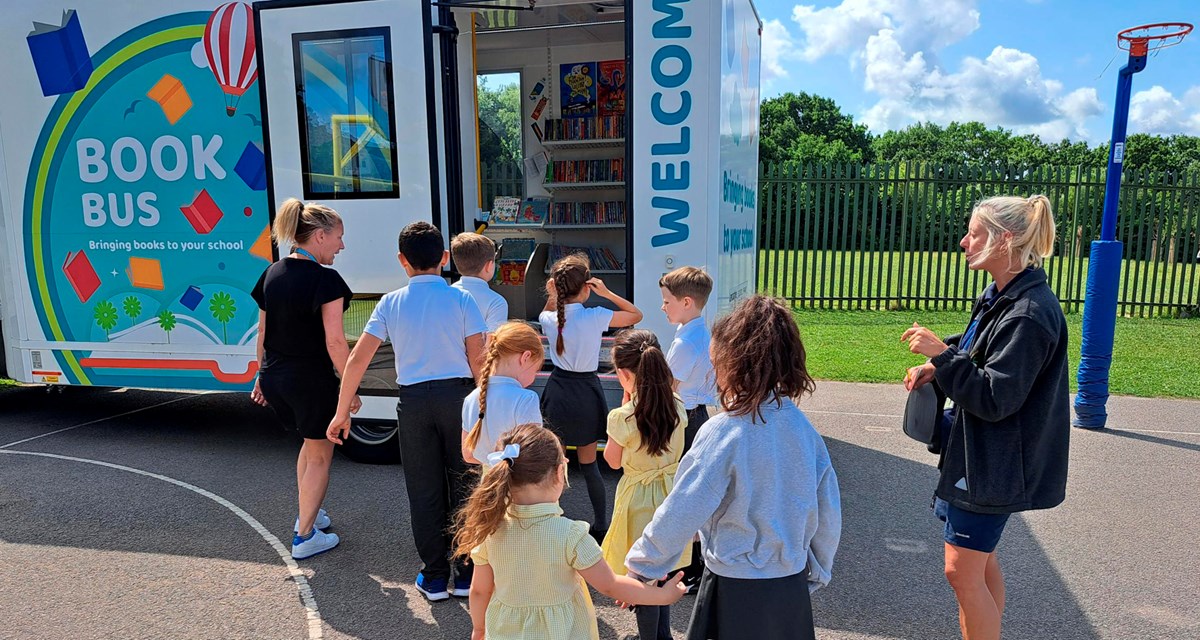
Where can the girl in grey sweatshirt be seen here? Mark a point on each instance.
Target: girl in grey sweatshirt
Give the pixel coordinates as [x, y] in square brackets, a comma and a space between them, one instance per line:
[757, 485]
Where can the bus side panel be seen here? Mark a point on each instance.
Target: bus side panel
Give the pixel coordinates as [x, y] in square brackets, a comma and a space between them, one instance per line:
[135, 193]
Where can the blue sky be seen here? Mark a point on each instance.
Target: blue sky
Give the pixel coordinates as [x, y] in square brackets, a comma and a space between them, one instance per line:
[1032, 66]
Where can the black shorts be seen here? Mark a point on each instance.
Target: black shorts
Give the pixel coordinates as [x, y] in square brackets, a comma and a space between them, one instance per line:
[304, 402]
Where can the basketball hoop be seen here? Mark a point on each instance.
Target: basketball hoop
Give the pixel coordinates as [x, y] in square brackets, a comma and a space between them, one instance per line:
[1140, 40]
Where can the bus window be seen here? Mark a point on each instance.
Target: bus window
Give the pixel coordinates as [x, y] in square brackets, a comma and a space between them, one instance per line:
[345, 111]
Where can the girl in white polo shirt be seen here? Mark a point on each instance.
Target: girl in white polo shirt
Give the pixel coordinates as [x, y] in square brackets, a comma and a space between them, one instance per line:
[573, 403]
[503, 400]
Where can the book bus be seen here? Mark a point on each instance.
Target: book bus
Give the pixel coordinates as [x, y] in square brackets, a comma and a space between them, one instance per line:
[145, 150]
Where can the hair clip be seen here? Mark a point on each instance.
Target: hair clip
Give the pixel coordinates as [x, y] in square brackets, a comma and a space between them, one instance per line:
[510, 452]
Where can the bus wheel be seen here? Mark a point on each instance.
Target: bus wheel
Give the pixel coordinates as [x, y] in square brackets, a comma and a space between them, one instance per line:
[372, 442]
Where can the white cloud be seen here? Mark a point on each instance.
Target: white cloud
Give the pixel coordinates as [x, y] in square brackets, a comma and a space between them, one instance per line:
[1157, 111]
[777, 48]
[897, 44]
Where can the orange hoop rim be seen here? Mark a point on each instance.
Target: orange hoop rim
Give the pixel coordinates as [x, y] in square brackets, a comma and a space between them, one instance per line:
[1171, 34]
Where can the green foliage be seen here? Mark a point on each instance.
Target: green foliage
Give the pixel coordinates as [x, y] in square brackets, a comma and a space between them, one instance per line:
[105, 315]
[499, 123]
[132, 307]
[799, 127]
[223, 309]
[166, 320]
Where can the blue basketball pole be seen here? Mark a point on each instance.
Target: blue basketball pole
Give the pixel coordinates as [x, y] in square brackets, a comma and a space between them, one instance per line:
[1104, 272]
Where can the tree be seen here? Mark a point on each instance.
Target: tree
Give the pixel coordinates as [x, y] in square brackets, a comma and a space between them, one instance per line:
[499, 123]
[105, 315]
[223, 309]
[166, 320]
[804, 127]
[132, 307]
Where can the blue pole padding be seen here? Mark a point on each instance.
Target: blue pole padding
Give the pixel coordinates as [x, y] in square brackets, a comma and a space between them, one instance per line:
[1099, 328]
[1116, 146]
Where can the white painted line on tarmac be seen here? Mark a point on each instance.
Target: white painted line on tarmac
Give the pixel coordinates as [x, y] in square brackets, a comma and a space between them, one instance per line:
[313, 615]
[852, 413]
[119, 415]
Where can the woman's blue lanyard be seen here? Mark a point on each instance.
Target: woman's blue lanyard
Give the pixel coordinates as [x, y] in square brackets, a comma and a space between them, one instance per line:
[305, 253]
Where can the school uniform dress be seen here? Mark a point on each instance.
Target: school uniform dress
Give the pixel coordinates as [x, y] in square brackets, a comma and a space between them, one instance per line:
[508, 405]
[298, 379]
[644, 485]
[573, 403]
[691, 365]
[536, 555]
[764, 497]
[492, 305]
[428, 322]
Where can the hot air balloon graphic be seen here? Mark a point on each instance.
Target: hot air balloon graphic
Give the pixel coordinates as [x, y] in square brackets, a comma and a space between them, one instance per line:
[229, 45]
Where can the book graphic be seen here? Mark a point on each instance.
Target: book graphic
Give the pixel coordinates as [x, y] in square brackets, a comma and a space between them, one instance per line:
[192, 297]
[81, 274]
[612, 88]
[262, 247]
[534, 210]
[251, 167]
[578, 89]
[60, 55]
[169, 93]
[505, 210]
[145, 273]
[203, 213]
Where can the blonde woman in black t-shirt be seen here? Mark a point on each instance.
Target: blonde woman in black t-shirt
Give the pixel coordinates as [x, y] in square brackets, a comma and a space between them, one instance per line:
[301, 352]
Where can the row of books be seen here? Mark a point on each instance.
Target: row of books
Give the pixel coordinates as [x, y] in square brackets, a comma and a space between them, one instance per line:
[605, 170]
[509, 210]
[610, 212]
[598, 257]
[585, 128]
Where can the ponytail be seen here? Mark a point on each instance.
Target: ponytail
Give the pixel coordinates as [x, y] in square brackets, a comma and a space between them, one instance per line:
[561, 303]
[296, 221]
[489, 367]
[540, 456]
[1041, 228]
[654, 409]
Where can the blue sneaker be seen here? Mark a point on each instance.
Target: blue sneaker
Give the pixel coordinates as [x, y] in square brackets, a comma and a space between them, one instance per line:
[462, 587]
[322, 522]
[318, 542]
[434, 589]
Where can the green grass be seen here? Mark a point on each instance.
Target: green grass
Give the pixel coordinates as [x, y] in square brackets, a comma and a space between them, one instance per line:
[892, 275]
[1153, 357]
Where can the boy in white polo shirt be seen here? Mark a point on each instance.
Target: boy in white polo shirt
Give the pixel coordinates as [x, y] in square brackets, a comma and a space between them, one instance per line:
[437, 333]
[475, 258]
[685, 291]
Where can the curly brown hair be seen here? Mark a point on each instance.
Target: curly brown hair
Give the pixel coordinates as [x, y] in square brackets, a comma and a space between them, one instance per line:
[654, 409]
[758, 356]
[570, 274]
[482, 514]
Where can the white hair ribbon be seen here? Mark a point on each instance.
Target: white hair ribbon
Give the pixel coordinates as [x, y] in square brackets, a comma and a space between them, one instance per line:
[510, 452]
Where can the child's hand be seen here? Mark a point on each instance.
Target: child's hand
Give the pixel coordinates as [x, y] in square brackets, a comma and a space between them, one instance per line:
[477, 634]
[675, 587]
[597, 285]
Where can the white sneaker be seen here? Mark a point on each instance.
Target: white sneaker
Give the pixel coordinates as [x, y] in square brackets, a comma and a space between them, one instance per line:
[320, 542]
[322, 522]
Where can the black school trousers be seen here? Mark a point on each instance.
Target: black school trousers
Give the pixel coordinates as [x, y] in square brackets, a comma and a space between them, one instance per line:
[436, 477]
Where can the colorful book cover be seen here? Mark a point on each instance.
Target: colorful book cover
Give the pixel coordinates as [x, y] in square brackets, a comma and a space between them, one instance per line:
[505, 210]
[81, 274]
[60, 55]
[512, 273]
[578, 90]
[192, 297]
[203, 213]
[534, 210]
[169, 93]
[251, 167]
[145, 273]
[612, 88]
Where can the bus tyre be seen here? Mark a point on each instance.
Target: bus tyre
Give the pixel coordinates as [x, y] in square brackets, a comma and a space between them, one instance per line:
[372, 442]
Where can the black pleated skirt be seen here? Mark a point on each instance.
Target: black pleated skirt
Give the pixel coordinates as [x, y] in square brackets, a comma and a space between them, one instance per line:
[573, 406]
[772, 609]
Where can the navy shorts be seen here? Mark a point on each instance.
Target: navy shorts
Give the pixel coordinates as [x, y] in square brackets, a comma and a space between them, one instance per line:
[970, 530]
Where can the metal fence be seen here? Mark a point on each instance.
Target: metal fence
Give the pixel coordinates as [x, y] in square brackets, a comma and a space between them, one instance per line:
[886, 235]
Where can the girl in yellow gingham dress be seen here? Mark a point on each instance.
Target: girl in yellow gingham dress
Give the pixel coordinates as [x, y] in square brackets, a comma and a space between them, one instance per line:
[530, 562]
[645, 438]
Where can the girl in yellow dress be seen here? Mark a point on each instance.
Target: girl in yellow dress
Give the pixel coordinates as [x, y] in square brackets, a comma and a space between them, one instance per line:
[645, 438]
[530, 562]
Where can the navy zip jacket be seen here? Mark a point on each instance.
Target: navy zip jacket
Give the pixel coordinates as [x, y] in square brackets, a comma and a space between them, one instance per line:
[1008, 444]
